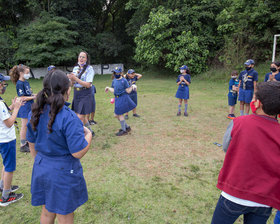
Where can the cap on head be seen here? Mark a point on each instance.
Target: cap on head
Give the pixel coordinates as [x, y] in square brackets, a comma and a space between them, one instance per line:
[51, 67]
[117, 70]
[130, 71]
[4, 78]
[184, 67]
[249, 62]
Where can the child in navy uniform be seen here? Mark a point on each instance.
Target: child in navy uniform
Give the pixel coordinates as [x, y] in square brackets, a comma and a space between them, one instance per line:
[250, 176]
[132, 77]
[51, 68]
[58, 141]
[8, 146]
[123, 103]
[19, 76]
[247, 84]
[183, 82]
[274, 75]
[232, 94]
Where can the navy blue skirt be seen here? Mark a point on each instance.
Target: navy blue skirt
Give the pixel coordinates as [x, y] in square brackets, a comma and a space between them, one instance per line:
[83, 101]
[182, 92]
[133, 96]
[25, 109]
[58, 183]
[123, 104]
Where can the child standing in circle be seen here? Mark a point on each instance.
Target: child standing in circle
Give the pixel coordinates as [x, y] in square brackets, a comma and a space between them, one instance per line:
[19, 76]
[8, 146]
[132, 77]
[250, 177]
[57, 141]
[183, 82]
[247, 84]
[51, 68]
[123, 103]
[232, 94]
[274, 74]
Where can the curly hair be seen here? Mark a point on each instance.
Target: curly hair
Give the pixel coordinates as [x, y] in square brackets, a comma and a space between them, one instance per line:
[15, 72]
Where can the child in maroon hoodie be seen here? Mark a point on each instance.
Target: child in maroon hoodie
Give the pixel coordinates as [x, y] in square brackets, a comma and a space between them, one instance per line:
[250, 176]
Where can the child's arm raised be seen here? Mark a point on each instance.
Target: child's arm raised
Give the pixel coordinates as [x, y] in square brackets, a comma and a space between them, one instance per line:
[16, 105]
[139, 76]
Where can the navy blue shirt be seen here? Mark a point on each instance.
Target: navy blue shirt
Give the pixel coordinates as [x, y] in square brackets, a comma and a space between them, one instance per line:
[119, 86]
[232, 82]
[277, 76]
[23, 88]
[187, 77]
[247, 79]
[131, 82]
[66, 138]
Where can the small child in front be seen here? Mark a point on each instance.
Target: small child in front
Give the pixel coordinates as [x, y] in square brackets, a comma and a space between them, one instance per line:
[232, 94]
[250, 177]
[8, 146]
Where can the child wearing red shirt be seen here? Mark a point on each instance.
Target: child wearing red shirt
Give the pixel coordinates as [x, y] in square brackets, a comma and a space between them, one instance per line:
[250, 177]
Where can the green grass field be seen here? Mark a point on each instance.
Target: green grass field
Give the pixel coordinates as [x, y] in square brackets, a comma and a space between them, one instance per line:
[165, 171]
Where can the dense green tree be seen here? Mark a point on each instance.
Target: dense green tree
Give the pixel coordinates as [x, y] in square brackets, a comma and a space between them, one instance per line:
[248, 28]
[47, 40]
[160, 42]
[7, 49]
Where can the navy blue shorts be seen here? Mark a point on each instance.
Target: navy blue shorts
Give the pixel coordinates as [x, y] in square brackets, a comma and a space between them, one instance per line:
[232, 99]
[246, 95]
[8, 153]
[58, 183]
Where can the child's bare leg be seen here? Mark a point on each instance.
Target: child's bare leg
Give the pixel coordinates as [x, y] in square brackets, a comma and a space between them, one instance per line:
[8, 177]
[247, 108]
[23, 131]
[46, 216]
[231, 109]
[66, 219]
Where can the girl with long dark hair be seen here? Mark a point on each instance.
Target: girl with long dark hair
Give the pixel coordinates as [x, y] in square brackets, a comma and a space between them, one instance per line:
[57, 142]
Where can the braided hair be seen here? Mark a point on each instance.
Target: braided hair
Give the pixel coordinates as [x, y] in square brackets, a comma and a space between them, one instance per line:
[55, 85]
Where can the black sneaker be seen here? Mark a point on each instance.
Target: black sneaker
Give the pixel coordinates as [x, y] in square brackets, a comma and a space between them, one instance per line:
[178, 113]
[92, 122]
[13, 188]
[136, 115]
[24, 148]
[92, 133]
[121, 133]
[128, 129]
[186, 114]
[126, 117]
[11, 199]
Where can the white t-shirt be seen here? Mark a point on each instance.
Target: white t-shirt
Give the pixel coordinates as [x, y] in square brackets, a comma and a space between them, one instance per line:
[6, 134]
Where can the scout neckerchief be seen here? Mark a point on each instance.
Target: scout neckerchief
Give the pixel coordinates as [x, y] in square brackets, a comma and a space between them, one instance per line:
[9, 110]
[245, 79]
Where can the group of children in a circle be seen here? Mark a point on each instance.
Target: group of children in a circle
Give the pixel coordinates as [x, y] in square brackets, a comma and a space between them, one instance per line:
[243, 85]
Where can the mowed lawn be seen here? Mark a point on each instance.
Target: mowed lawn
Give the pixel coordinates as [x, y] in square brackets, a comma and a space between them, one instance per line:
[164, 171]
